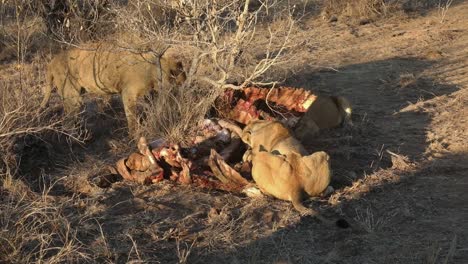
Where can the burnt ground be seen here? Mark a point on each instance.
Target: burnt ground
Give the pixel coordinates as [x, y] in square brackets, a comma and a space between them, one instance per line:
[400, 171]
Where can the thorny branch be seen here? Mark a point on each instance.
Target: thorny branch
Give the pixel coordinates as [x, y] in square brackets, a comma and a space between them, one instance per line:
[216, 34]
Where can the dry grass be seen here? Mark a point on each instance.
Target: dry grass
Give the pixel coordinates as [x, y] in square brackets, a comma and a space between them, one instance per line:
[35, 229]
[68, 219]
[360, 9]
[174, 112]
[20, 114]
[368, 220]
[365, 10]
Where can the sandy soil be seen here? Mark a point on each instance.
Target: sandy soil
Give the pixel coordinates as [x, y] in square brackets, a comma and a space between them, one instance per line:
[400, 172]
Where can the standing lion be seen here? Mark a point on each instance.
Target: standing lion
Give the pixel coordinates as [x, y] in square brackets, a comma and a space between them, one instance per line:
[101, 69]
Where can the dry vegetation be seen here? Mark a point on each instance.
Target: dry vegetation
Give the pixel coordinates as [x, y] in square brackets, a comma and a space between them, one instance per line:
[363, 11]
[400, 173]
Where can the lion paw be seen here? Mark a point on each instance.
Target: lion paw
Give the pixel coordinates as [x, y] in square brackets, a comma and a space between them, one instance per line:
[252, 191]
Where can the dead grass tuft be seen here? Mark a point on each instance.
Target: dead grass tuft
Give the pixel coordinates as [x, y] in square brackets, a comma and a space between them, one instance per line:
[360, 9]
[34, 228]
[174, 113]
[365, 10]
[21, 116]
[368, 220]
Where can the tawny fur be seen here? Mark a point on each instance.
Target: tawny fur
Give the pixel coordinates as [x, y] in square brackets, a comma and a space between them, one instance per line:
[137, 161]
[273, 136]
[291, 177]
[101, 69]
[281, 167]
[325, 112]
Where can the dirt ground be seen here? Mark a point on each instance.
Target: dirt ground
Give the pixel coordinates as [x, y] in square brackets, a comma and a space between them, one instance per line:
[400, 172]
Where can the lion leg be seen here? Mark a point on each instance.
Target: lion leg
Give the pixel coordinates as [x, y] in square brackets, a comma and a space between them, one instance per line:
[129, 100]
[304, 211]
[72, 100]
[47, 90]
[296, 199]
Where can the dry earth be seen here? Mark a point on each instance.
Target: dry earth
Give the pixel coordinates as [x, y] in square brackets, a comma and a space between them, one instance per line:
[401, 171]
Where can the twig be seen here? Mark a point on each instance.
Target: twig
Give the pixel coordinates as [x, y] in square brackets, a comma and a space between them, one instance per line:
[268, 104]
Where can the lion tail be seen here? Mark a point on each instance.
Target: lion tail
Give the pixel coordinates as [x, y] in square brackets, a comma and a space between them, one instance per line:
[345, 106]
[48, 88]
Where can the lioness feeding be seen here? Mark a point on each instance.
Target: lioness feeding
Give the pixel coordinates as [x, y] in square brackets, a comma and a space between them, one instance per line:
[324, 112]
[281, 166]
[273, 136]
[104, 70]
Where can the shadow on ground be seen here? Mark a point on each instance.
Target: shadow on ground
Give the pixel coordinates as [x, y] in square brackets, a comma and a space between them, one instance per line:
[168, 221]
[380, 92]
[409, 221]
[397, 218]
[394, 216]
[103, 130]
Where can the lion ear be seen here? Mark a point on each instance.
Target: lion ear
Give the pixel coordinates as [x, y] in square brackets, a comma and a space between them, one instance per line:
[255, 121]
[344, 105]
[309, 161]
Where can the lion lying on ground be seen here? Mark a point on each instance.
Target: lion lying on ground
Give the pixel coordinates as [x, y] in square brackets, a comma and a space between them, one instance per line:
[281, 167]
[103, 70]
[290, 177]
[325, 112]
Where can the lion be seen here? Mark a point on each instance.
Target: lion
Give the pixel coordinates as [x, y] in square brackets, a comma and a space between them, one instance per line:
[325, 112]
[273, 136]
[281, 166]
[289, 177]
[102, 70]
[293, 177]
